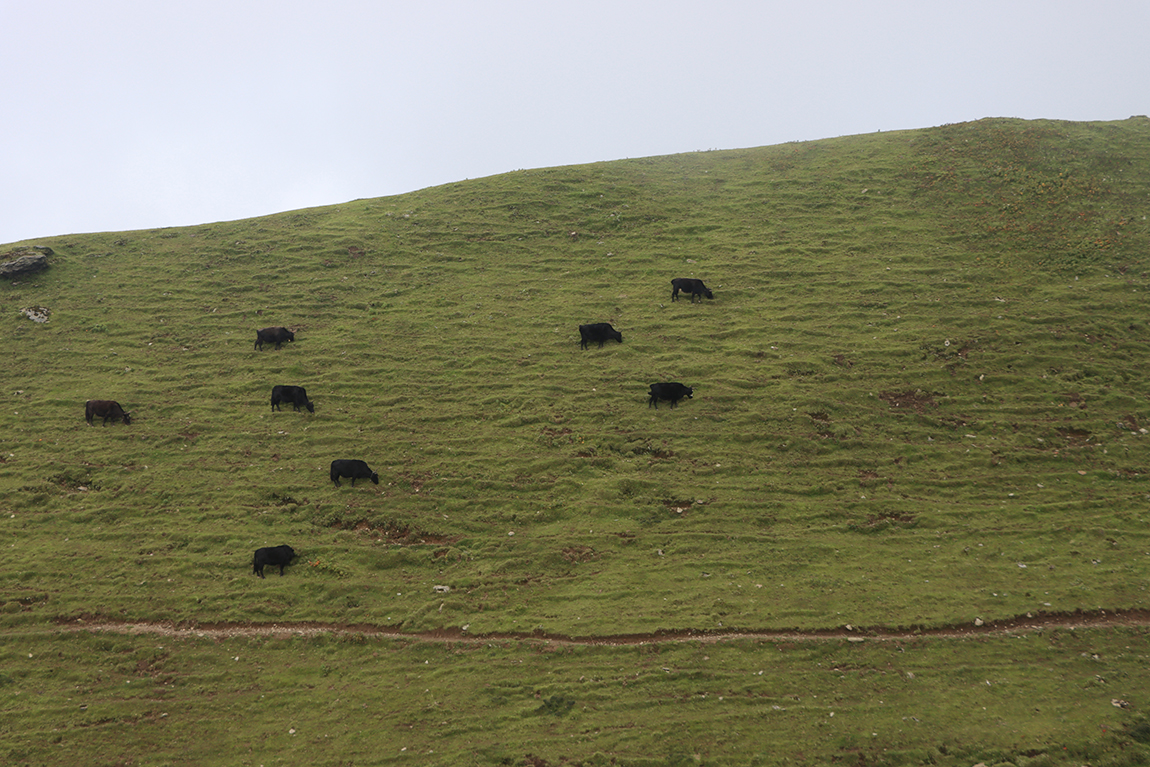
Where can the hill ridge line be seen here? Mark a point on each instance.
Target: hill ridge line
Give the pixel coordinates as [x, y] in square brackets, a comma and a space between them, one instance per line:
[1025, 624]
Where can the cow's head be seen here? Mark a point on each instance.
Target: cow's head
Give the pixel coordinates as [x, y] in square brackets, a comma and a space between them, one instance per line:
[310, 407]
[127, 418]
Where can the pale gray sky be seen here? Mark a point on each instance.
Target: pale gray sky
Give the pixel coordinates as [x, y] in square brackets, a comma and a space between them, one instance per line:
[134, 114]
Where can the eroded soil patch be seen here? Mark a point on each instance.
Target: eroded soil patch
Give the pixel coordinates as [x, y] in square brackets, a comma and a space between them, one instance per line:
[917, 400]
[400, 534]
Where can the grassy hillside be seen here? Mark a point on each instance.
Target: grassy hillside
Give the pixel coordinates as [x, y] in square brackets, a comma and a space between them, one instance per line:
[918, 402]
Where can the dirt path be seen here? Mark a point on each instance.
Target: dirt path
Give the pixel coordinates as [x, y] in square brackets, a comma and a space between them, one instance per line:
[1020, 625]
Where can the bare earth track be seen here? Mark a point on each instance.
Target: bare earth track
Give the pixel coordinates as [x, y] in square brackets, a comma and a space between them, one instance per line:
[1027, 624]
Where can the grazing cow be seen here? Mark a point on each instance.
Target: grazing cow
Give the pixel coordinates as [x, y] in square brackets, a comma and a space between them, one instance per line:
[598, 331]
[106, 409]
[294, 395]
[671, 391]
[277, 336]
[689, 285]
[352, 468]
[272, 555]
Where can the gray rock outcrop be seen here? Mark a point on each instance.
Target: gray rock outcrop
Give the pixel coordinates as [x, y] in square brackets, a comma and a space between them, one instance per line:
[24, 263]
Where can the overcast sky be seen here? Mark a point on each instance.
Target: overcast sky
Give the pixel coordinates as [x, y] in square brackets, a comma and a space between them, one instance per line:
[132, 115]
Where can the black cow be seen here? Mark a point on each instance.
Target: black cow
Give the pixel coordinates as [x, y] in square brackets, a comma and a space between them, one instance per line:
[689, 285]
[277, 336]
[272, 555]
[598, 331]
[672, 391]
[352, 468]
[294, 395]
[106, 409]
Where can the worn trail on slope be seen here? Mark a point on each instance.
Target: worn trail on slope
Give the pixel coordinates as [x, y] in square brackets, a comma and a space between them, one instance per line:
[1021, 625]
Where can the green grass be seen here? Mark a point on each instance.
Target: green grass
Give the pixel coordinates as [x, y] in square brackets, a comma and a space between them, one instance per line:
[919, 401]
[1033, 700]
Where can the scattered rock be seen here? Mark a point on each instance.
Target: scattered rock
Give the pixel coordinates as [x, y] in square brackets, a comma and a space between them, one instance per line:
[36, 313]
